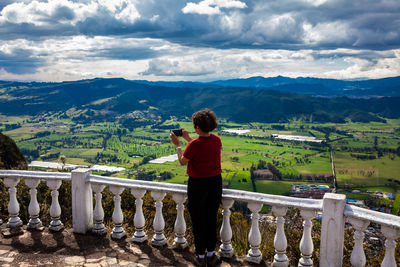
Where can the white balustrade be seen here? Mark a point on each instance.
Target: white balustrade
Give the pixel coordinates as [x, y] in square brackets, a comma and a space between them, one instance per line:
[82, 201]
[180, 224]
[98, 214]
[391, 234]
[139, 221]
[83, 183]
[254, 255]
[280, 242]
[158, 222]
[33, 209]
[55, 209]
[306, 243]
[357, 258]
[226, 249]
[118, 218]
[14, 222]
[332, 230]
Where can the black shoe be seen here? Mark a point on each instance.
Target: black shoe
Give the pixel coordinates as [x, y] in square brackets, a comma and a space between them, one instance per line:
[214, 260]
[201, 262]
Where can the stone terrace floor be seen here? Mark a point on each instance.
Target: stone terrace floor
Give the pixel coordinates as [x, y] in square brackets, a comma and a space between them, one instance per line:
[35, 248]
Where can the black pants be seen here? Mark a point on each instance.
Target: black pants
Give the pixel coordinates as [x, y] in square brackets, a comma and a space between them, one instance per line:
[204, 197]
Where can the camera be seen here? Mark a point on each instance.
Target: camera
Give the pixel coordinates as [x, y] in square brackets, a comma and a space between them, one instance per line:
[177, 132]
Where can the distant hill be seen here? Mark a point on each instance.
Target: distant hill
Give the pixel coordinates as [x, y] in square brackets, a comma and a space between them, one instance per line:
[308, 86]
[107, 99]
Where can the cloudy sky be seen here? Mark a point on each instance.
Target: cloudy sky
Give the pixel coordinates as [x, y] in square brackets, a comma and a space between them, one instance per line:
[199, 40]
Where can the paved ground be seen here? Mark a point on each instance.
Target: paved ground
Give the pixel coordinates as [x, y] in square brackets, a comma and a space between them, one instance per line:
[68, 249]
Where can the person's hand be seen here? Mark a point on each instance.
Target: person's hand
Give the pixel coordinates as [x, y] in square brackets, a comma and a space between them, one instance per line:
[185, 135]
[174, 139]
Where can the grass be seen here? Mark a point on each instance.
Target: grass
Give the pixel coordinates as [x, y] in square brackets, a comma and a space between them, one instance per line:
[366, 172]
[91, 152]
[101, 101]
[77, 153]
[22, 133]
[357, 196]
[274, 187]
[318, 164]
[241, 180]
[77, 161]
[12, 119]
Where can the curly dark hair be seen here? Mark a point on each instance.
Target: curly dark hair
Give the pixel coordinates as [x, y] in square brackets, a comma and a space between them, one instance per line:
[205, 119]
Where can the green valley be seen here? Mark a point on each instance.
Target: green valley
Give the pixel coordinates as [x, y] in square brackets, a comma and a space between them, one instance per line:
[366, 155]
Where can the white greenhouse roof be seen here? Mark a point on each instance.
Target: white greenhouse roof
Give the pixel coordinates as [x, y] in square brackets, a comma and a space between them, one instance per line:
[104, 168]
[170, 158]
[296, 138]
[53, 165]
[56, 165]
[237, 131]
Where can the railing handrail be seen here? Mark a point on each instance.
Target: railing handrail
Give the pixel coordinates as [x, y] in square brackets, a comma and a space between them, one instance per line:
[238, 195]
[35, 175]
[273, 200]
[139, 184]
[371, 215]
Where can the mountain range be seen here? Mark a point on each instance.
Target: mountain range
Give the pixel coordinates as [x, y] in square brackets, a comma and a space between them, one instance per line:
[303, 85]
[241, 100]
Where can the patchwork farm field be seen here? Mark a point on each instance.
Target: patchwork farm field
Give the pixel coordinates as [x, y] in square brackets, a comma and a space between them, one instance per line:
[366, 155]
[372, 172]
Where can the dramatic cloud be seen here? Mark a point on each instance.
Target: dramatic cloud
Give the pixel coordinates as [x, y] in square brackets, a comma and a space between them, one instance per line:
[218, 23]
[205, 39]
[166, 67]
[211, 7]
[20, 61]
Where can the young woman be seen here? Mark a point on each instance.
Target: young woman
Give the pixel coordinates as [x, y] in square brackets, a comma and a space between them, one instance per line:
[203, 159]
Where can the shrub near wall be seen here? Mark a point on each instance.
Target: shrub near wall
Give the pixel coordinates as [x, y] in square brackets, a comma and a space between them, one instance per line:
[11, 158]
[396, 205]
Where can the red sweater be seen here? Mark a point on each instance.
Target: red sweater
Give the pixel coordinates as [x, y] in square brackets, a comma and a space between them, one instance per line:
[204, 154]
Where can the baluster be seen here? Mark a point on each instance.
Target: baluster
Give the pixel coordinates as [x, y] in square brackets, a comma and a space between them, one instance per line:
[55, 209]
[14, 222]
[139, 221]
[98, 214]
[391, 235]
[118, 218]
[306, 243]
[33, 209]
[280, 242]
[254, 255]
[180, 224]
[226, 250]
[357, 258]
[158, 222]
